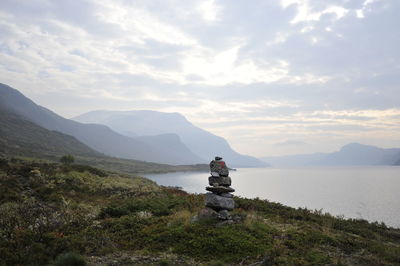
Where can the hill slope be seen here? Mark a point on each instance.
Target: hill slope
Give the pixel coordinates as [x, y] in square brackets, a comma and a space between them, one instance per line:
[98, 137]
[19, 136]
[144, 123]
[48, 209]
[349, 155]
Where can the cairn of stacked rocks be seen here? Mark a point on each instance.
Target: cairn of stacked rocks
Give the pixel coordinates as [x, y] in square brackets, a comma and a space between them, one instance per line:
[219, 197]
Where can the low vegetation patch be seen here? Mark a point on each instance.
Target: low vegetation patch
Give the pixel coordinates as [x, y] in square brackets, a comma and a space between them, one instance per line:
[53, 213]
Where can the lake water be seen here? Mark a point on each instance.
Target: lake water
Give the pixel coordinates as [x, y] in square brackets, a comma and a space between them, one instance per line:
[371, 193]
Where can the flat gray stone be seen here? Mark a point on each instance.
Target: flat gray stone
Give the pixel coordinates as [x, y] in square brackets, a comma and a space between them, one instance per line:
[220, 180]
[220, 189]
[226, 195]
[217, 203]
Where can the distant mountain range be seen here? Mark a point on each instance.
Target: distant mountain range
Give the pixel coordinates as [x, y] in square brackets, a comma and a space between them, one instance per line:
[33, 123]
[20, 137]
[97, 137]
[349, 155]
[137, 124]
[28, 129]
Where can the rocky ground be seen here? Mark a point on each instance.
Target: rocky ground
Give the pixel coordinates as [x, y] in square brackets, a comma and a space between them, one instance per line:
[125, 258]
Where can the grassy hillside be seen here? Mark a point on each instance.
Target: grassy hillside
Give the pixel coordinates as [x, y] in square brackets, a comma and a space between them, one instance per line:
[47, 210]
[137, 167]
[20, 137]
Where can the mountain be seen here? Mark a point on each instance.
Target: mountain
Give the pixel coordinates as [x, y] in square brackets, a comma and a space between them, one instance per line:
[19, 136]
[297, 160]
[359, 154]
[148, 123]
[98, 137]
[349, 155]
[172, 147]
[397, 159]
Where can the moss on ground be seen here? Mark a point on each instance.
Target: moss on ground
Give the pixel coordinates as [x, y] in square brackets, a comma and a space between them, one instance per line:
[47, 209]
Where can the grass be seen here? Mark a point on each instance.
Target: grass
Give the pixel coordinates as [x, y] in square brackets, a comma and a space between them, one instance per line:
[48, 210]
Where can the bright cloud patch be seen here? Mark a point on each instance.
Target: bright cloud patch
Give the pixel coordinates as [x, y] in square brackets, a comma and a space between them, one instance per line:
[306, 13]
[224, 68]
[209, 10]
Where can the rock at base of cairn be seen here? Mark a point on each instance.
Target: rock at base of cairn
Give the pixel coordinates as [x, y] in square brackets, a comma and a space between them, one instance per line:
[224, 215]
[205, 214]
[217, 202]
[220, 189]
[220, 181]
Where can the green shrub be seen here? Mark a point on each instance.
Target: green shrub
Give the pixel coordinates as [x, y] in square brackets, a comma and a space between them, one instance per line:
[317, 258]
[47, 209]
[86, 168]
[216, 263]
[69, 259]
[67, 159]
[205, 242]
[157, 205]
[165, 262]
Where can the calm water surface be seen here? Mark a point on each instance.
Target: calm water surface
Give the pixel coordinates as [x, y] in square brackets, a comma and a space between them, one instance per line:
[371, 193]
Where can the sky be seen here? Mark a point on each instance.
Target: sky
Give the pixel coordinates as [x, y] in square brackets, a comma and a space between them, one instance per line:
[273, 77]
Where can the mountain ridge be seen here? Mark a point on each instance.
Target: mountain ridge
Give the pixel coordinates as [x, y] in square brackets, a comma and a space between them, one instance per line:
[352, 154]
[146, 123]
[98, 137]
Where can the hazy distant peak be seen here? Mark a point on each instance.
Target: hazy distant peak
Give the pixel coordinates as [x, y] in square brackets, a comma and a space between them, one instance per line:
[357, 147]
[106, 114]
[174, 115]
[149, 123]
[5, 86]
[350, 154]
[19, 103]
[7, 90]
[168, 137]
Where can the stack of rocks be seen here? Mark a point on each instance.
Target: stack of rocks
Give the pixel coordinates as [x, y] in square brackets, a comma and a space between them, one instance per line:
[219, 198]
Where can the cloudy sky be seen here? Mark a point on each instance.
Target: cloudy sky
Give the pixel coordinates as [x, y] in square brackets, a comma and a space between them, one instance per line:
[272, 77]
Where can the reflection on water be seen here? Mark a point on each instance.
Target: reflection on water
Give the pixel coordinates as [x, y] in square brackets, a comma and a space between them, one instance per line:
[370, 193]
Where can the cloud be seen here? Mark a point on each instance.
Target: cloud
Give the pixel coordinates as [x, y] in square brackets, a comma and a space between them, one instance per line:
[209, 10]
[257, 73]
[224, 68]
[305, 12]
[291, 143]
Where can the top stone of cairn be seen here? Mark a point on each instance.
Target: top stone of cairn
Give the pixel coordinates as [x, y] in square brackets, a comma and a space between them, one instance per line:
[218, 167]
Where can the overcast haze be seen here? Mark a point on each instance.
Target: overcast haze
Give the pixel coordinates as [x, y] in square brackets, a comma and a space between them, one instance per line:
[272, 77]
